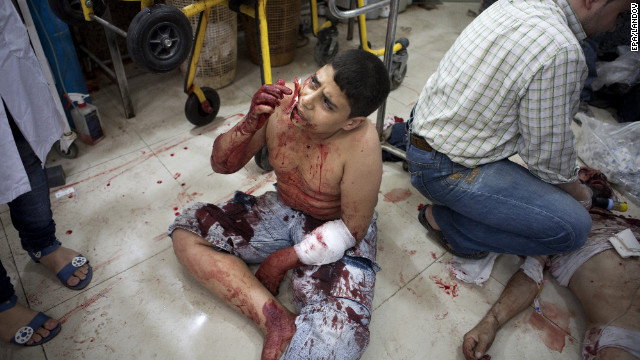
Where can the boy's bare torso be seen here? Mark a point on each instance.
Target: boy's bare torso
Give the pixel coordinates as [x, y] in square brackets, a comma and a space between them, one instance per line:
[309, 171]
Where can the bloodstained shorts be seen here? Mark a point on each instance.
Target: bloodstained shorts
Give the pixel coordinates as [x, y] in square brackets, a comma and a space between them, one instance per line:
[334, 300]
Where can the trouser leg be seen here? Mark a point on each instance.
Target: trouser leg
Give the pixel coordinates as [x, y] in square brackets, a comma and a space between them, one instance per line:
[31, 212]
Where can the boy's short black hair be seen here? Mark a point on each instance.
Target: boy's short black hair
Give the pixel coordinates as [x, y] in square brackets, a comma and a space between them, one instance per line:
[363, 78]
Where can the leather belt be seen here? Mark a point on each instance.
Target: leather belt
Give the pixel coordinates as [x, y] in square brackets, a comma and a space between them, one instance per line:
[419, 142]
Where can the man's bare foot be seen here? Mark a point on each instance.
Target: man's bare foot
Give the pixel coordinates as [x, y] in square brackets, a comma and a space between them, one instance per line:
[432, 221]
[281, 326]
[18, 316]
[59, 258]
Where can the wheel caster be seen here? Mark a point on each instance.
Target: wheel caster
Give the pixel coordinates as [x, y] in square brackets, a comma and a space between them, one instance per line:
[399, 65]
[70, 11]
[262, 159]
[159, 38]
[326, 46]
[200, 115]
[71, 153]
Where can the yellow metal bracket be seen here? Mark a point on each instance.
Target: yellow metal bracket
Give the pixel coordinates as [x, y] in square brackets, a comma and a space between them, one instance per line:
[87, 9]
[264, 40]
[363, 36]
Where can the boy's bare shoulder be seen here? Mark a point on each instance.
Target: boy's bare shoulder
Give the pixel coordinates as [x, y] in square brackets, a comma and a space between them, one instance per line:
[366, 136]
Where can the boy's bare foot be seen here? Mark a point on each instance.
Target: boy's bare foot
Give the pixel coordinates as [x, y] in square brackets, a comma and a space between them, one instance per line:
[59, 258]
[11, 320]
[281, 326]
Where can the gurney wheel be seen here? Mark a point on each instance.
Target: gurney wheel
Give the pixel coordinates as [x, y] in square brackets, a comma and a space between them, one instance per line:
[398, 69]
[195, 113]
[262, 159]
[159, 38]
[70, 11]
[71, 153]
[326, 46]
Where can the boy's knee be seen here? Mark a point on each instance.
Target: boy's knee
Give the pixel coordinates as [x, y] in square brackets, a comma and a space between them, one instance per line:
[184, 242]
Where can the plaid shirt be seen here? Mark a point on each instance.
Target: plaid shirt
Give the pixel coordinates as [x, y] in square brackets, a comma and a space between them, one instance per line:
[509, 84]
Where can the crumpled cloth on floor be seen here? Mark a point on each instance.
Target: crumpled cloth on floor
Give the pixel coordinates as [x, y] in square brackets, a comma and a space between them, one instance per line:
[475, 271]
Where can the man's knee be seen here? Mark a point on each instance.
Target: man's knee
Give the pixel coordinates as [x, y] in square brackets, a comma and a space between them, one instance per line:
[575, 234]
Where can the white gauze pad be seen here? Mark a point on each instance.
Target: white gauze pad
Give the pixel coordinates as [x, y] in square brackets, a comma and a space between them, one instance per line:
[325, 244]
[533, 269]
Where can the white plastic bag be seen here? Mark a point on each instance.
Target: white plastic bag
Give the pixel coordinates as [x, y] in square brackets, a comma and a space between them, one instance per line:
[614, 149]
[623, 70]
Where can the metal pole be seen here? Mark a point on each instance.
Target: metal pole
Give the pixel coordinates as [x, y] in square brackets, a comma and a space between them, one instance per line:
[108, 25]
[119, 68]
[388, 53]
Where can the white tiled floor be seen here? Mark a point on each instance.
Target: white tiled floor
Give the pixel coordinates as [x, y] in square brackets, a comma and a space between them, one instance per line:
[141, 304]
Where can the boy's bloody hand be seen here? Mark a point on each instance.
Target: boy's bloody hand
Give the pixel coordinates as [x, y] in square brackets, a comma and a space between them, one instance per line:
[263, 103]
[275, 267]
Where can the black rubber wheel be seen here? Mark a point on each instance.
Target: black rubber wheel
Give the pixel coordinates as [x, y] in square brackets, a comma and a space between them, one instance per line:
[326, 46]
[159, 38]
[70, 11]
[71, 153]
[262, 159]
[193, 109]
[398, 68]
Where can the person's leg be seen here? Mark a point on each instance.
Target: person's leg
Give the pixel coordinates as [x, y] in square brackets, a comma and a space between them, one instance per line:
[6, 288]
[32, 217]
[498, 207]
[215, 243]
[230, 279]
[334, 302]
[13, 316]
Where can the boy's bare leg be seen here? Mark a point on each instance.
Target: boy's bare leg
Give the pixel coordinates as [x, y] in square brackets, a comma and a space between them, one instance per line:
[229, 278]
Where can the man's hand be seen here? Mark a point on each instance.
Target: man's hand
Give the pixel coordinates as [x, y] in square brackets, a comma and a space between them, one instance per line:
[477, 341]
[275, 267]
[263, 103]
[581, 192]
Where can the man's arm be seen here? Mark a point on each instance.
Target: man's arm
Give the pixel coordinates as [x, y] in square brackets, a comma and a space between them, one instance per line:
[545, 113]
[516, 297]
[579, 191]
[233, 149]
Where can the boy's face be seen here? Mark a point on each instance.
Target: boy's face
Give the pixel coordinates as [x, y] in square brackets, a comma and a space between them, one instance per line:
[322, 107]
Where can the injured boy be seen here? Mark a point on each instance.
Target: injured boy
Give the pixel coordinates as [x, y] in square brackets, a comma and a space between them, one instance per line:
[319, 222]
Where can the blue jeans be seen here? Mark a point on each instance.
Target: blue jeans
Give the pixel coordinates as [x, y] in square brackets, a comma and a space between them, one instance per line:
[499, 207]
[30, 212]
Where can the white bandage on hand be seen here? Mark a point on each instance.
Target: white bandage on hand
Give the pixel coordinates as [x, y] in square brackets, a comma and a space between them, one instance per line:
[325, 244]
[533, 269]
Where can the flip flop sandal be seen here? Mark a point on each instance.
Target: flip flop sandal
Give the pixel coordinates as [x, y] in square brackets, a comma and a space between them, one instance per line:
[25, 333]
[439, 236]
[67, 271]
